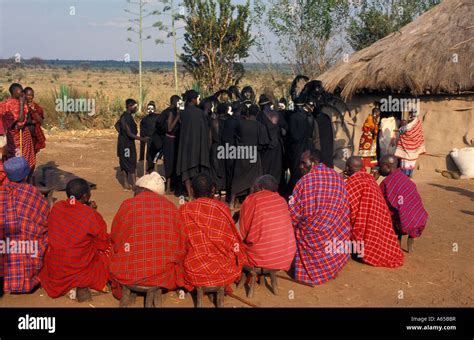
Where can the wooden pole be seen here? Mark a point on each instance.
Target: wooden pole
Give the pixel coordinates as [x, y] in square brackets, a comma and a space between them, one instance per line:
[145, 158]
[173, 30]
[242, 300]
[21, 142]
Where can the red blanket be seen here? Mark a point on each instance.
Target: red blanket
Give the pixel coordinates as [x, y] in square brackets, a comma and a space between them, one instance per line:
[265, 226]
[23, 216]
[10, 112]
[39, 140]
[79, 249]
[372, 223]
[215, 253]
[148, 243]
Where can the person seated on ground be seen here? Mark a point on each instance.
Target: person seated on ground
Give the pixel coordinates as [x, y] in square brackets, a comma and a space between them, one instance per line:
[371, 220]
[214, 250]
[265, 226]
[78, 255]
[23, 218]
[319, 211]
[408, 214]
[148, 239]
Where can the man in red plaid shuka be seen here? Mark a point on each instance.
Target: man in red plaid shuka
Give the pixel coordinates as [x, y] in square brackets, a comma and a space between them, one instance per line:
[79, 246]
[319, 211]
[215, 253]
[265, 226]
[370, 218]
[148, 239]
[23, 217]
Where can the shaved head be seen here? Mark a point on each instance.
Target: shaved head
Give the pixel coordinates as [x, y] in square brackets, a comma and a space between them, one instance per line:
[354, 164]
[388, 163]
[265, 182]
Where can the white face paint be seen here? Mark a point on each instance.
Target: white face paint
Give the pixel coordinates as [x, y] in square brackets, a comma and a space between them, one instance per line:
[281, 106]
[150, 109]
[180, 105]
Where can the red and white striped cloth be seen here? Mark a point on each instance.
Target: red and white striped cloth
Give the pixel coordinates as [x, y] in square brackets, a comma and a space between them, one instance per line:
[265, 226]
[411, 143]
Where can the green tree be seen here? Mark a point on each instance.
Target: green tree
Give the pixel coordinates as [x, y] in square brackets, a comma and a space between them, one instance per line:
[217, 37]
[305, 29]
[375, 19]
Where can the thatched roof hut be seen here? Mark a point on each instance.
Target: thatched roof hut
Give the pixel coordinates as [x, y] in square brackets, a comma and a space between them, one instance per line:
[430, 59]
[431, 55]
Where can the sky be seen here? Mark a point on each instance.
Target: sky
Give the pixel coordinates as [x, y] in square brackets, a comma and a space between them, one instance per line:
[80, 30]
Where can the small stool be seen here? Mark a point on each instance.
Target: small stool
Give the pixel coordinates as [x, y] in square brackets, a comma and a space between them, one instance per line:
[254, 272]
[153, 297]
[219, 291]
[47, 193]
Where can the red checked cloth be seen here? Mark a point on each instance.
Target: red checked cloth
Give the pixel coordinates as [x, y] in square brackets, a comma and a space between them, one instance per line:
[215, 252]
[148, 243]
[372, 222]
[23, 217]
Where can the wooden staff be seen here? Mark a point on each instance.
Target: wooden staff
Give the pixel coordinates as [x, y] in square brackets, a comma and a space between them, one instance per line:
[21, 142]
[291, 280]
[145, 158]
[242, 300]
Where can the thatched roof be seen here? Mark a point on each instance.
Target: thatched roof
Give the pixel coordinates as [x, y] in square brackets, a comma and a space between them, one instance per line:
[418, 59]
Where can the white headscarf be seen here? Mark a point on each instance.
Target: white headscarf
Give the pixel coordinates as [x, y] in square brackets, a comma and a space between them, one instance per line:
[153, 182]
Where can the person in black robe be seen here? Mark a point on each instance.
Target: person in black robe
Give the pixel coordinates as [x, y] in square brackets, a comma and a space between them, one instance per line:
[193, 148]
[285, 113]
[229, 139]
[218, 173]
[301, 127]
[168, 125]
[273, 153]
[148, 128]
[326, 138]
[251, 136]
[126, 149]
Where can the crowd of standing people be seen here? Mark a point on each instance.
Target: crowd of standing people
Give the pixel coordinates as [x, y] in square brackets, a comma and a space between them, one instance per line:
[297, 214]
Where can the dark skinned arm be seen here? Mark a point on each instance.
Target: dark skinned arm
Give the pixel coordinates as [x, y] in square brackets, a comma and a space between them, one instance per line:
[129, 134]
[21, 117]
[172, 121]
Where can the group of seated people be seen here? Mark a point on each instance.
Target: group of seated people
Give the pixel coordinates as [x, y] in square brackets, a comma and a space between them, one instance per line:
[200, 244]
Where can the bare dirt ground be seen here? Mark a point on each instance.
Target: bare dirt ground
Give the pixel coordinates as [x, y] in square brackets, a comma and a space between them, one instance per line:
[438, 274]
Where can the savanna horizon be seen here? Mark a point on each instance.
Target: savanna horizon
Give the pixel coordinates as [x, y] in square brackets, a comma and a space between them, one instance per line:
[111, 86]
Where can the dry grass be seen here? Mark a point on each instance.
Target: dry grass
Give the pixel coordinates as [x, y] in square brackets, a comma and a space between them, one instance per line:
[110, 88]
